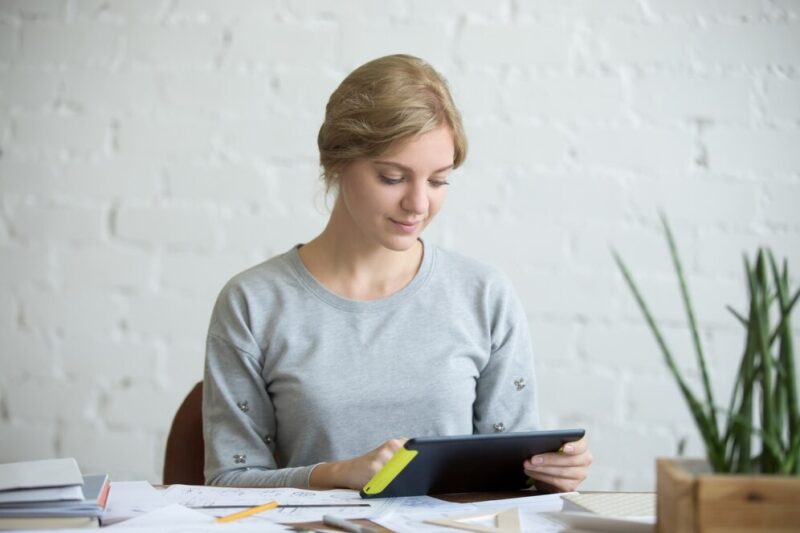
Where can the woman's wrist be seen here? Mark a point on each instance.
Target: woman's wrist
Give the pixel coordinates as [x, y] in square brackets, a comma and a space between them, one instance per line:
[326, 476]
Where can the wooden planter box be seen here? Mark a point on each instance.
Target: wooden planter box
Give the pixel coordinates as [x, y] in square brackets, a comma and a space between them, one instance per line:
[691, 499]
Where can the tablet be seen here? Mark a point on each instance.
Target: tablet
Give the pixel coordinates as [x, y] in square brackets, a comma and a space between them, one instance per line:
[467, 463]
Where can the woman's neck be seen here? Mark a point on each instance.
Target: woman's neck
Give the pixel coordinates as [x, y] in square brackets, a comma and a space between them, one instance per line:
[358, 269]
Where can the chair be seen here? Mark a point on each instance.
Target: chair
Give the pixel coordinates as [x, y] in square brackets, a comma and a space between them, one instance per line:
[184, 456]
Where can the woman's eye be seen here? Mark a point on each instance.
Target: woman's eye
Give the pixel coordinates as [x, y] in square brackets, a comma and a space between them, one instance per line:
[439, 183]
[390, 181]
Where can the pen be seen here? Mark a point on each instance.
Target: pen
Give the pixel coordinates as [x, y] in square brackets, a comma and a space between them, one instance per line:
[247, 512]
[347, 525]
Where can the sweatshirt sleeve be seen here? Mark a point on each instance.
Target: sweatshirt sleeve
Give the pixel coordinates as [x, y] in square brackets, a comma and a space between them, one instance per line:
[238, 416]
[506, 390]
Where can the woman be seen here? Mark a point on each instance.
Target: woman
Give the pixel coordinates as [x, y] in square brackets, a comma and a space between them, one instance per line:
[367, 333]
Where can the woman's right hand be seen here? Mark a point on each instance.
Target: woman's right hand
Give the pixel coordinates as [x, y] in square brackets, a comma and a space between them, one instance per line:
[356, 472]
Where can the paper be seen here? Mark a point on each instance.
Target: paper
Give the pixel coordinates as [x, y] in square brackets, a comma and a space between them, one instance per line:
[599, 523]
[129, 499]
[295, 505]
[169, 515]
[412, 516]
[51, 494]
[44, 473]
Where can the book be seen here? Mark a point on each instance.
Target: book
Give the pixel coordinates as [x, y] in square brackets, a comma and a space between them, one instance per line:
[39, 474]
[49, 522]
[92, 503]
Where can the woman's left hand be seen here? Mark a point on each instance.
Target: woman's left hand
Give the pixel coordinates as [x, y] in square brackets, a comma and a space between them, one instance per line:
[560, 471]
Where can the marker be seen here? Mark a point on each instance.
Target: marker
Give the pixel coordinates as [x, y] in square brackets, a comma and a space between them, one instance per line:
[247, 512]
[347, 525]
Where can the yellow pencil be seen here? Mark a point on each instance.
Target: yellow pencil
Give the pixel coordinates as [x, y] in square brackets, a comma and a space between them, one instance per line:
[247, 512]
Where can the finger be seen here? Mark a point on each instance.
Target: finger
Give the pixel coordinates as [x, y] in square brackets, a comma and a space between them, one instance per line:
[560, 484]
[576, 473]
[576, 447]
[558, 459]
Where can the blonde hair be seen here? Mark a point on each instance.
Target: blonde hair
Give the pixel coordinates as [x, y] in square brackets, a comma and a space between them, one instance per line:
[381, 103]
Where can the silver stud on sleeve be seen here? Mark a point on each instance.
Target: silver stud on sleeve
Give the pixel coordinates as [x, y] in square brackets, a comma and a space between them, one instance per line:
[519, 383]
[498, 427]
[240, 459]
[267, 439]
[244, 406]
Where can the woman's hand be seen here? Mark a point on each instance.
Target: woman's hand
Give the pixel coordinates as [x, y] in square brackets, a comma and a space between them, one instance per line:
[356, 472]
[560, 471]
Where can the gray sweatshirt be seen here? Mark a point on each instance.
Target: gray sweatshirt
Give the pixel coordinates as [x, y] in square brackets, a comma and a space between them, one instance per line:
[296, 375]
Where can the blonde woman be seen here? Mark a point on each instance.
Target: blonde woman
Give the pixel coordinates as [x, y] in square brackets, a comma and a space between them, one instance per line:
[321, 359]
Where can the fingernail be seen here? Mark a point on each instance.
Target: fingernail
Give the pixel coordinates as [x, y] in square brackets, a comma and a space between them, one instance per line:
[569, 448]
[538, 460]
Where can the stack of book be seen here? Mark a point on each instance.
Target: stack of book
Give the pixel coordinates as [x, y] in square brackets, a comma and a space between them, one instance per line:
[50, 494]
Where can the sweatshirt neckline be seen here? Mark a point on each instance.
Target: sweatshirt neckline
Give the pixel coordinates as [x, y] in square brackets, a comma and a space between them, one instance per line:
[355, 306]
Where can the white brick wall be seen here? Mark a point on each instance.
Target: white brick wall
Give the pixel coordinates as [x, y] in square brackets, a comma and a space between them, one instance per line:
[151, 149]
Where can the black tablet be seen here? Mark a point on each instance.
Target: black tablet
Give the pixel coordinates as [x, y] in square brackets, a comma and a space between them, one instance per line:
[468, 463]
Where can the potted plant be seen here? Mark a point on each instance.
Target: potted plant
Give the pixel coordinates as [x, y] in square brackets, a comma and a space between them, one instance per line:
[750, 479]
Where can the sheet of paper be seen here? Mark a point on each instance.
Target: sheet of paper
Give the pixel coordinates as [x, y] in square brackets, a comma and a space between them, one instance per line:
[413, 522]
[300, 505]
[594, 522]
[44, 473]
[169, 515]
[129, 499]
[537, 503]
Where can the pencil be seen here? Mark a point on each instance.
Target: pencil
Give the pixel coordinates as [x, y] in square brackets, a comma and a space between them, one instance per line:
[247, 512]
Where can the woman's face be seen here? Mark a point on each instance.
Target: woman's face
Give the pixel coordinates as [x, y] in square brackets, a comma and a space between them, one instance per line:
[392, 198]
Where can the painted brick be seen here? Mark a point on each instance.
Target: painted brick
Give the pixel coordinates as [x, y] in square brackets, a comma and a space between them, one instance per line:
[211, 11]
[24, 353]
[280, 138]
[305, 90]
[783, 207]
[101, 266]
[499, 143]
[581, 395]
[554, 342]
[76, 311]
[50, 401]
[9, 38]
[49, 224]
[209, 92]
[749, 44]
[782, 99]
[184, 364]
[582, 9]
[266, 233]
[681, 99]
[480, 91]
[118, 12]
[23, 264]
[166, 47]
[260, 41]
[643, 247]
[630, 148]
[107, 363]
[525, 45]
[362, 41]
[714, 200]
[121, 90]
[744, 151]
[186, 226]
[226, 183]
[145, 408]
[74, 44]
[33, 9]
[364, 9]
[451, 9]
[29, 442]
[734, 9]
[171, 137]
[56, 134]
[663, 44]
[566, 98]
[98, 450]
[170, 317]
[720, 252]
[196, 273]
[8, 308]
[107, 180]
[27, 89]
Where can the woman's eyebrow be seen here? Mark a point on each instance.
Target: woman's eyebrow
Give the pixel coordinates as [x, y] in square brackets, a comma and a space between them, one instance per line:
[409, 169]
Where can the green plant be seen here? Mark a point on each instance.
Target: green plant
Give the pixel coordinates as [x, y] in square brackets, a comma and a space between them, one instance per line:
[766, 374]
